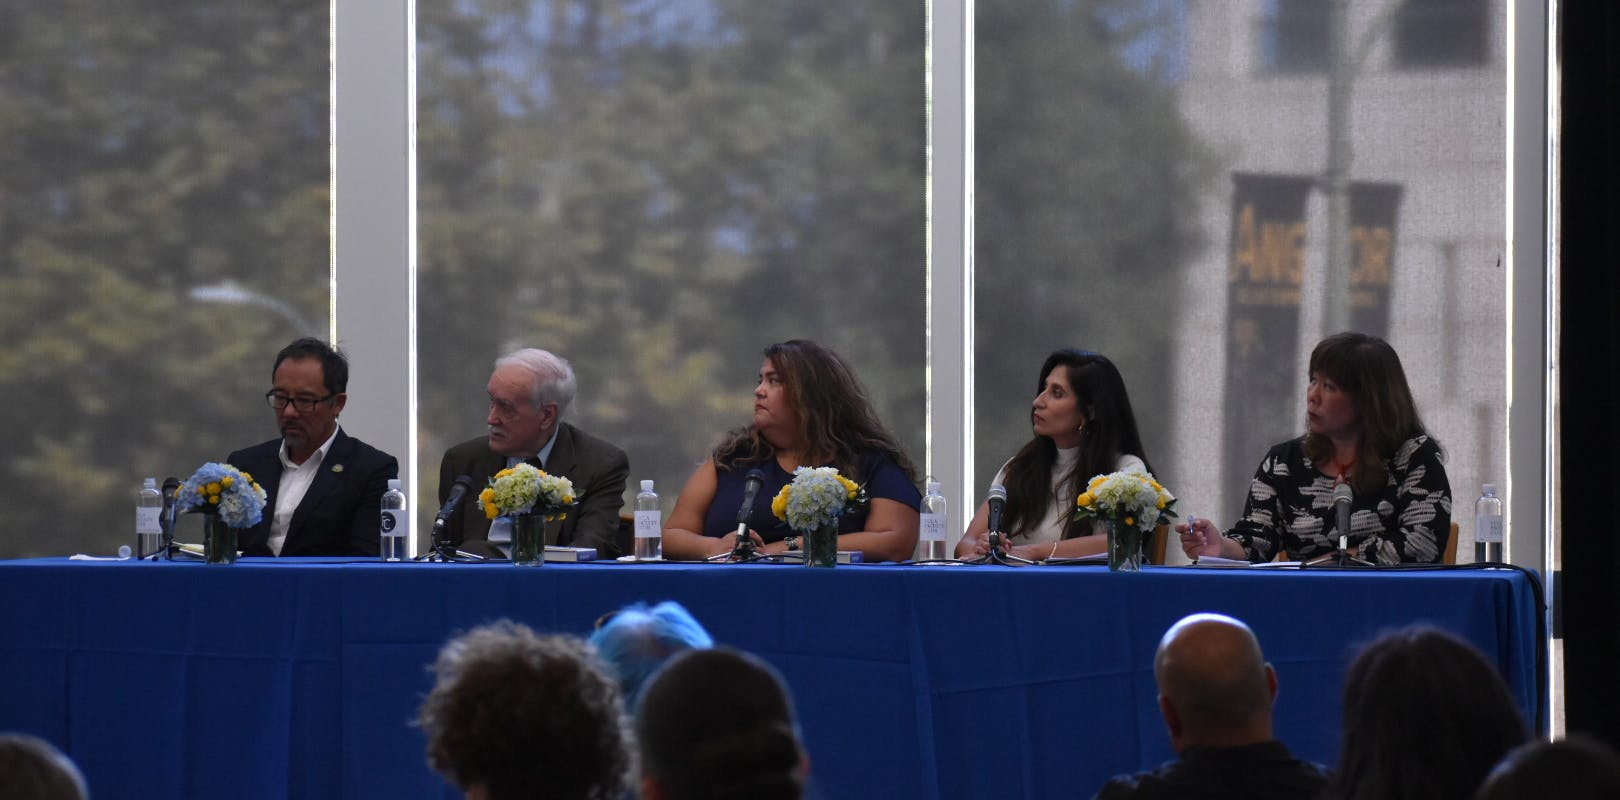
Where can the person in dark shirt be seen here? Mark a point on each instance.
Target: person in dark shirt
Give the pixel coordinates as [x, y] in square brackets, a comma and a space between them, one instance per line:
[1216, 692]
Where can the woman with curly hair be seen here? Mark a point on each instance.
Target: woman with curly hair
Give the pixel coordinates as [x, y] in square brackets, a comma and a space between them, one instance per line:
[809, 411]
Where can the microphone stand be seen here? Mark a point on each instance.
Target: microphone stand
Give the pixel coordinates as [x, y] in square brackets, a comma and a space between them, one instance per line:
[442, 550]
[998, 555]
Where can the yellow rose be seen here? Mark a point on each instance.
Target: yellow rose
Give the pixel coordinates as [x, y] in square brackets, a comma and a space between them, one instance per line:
[213, 498]
[1130, 521]
[568, 500]
[503, 473]
[779, 504]
[212, 488]
[849, 486]
[1161, 502]
[1097, 481]
[227, 481]
[1085, 500]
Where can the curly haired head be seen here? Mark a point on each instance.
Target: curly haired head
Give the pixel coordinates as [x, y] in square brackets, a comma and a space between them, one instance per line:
[517, 713]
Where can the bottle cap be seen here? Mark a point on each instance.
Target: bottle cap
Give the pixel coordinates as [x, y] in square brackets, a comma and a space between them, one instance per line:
[646, 486]
[1490, 488]
[150, 483]
[933, 487]
[393, 484]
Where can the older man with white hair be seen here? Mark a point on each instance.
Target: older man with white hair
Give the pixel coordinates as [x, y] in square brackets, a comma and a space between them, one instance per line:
[529, 392]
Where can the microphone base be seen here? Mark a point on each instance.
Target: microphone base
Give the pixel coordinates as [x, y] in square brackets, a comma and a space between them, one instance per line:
[1337, 558]
[998, 555]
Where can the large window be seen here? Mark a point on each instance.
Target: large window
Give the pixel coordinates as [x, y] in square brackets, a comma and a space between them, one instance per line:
[1177, 219]
[656, 191]
[163, 232]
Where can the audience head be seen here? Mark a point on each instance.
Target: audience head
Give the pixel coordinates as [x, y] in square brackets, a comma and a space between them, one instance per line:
[1425, 716]
[32, 769]
[808, 398]
[1368, 371]
[718, 724]
[1080, 401]
[637, 640]
[1215, 687]
[513, 714]
[529, 392]
[1576, 768]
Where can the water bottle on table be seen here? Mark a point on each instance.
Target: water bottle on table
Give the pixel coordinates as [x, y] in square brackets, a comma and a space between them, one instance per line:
[649, 525]
[1488, 526]
[148, 513]
[395, 532]
[932, 524]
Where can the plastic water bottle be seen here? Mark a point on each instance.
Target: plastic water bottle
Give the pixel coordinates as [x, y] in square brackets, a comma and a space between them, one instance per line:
[933, 524]
[649, 525]
[1488, 526]
[148, 513]
[396, 523]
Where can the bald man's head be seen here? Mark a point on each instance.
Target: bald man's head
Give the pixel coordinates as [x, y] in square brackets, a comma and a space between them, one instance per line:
[1215, 682]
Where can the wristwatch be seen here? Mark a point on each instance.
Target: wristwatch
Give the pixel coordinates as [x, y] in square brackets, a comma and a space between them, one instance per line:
[792, 542]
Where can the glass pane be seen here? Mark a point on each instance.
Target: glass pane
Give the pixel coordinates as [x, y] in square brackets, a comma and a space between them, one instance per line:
[163, 232]
[1148, 190]
[656, 190]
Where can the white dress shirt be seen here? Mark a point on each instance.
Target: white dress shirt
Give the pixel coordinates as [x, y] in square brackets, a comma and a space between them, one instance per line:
[295, 481]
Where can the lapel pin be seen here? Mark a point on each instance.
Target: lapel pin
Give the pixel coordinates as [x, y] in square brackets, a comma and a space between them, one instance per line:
[337, 467]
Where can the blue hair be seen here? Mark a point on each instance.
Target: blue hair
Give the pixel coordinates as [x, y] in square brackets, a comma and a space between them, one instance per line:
[637, 640]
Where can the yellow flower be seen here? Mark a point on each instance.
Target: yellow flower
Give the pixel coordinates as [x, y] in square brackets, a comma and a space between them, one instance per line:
[214, 499]
[1085, 500]
[1161, 502]
[568, 499]
[487, 497]
[212, 488]
[1130, 521]
[503, 473]
[779, 503]
[849, 486]
[1097, 481]
[227, 481]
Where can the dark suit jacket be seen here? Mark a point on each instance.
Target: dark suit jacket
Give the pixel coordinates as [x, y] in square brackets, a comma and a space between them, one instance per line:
[339, 514]
[598, 470]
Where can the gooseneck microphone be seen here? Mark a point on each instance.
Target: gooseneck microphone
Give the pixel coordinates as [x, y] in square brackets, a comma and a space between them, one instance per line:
[1342, 497]
[744, 548]
[458, 491]
[998, 504]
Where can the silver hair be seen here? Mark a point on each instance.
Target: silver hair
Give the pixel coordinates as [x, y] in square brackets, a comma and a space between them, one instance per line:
[553, 377]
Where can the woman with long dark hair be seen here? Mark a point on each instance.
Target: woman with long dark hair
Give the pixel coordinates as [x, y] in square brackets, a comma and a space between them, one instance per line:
[1362, 429]
[810, 411]
[1425, 718]
[1083, 427]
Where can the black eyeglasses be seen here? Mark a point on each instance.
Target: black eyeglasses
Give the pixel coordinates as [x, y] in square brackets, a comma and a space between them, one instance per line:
[303, 404]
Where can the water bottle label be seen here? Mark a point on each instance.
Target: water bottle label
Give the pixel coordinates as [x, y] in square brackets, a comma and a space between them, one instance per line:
[146, 520]
[395, 523]
[649, 524]
[933, 527]
[1488, 529]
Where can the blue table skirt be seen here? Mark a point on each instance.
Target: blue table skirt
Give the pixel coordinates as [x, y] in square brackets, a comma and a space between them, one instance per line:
[299, 678]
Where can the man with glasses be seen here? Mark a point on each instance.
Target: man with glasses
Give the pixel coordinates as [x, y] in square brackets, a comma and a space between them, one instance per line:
[324, 488]
[529, 392]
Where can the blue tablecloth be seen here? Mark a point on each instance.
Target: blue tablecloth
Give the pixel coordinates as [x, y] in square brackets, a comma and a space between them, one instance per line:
[300, 678]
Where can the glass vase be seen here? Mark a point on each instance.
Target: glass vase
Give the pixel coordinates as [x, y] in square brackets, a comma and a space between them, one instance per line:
[219, 540]
[1124, 547]
[529, 540]
[821, 547]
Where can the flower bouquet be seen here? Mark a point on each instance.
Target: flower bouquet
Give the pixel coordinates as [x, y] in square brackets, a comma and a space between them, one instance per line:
[531, 498]
[811, 506]
[229, 500]
[1130, 504]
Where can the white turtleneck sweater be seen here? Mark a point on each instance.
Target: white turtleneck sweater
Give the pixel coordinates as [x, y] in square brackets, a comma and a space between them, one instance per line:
[1058, 512]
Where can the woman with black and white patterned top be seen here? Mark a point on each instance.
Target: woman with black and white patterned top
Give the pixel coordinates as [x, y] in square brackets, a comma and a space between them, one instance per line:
[1362, 428]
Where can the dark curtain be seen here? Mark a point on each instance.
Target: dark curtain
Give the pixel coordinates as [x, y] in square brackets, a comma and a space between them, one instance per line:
[1590, 367]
